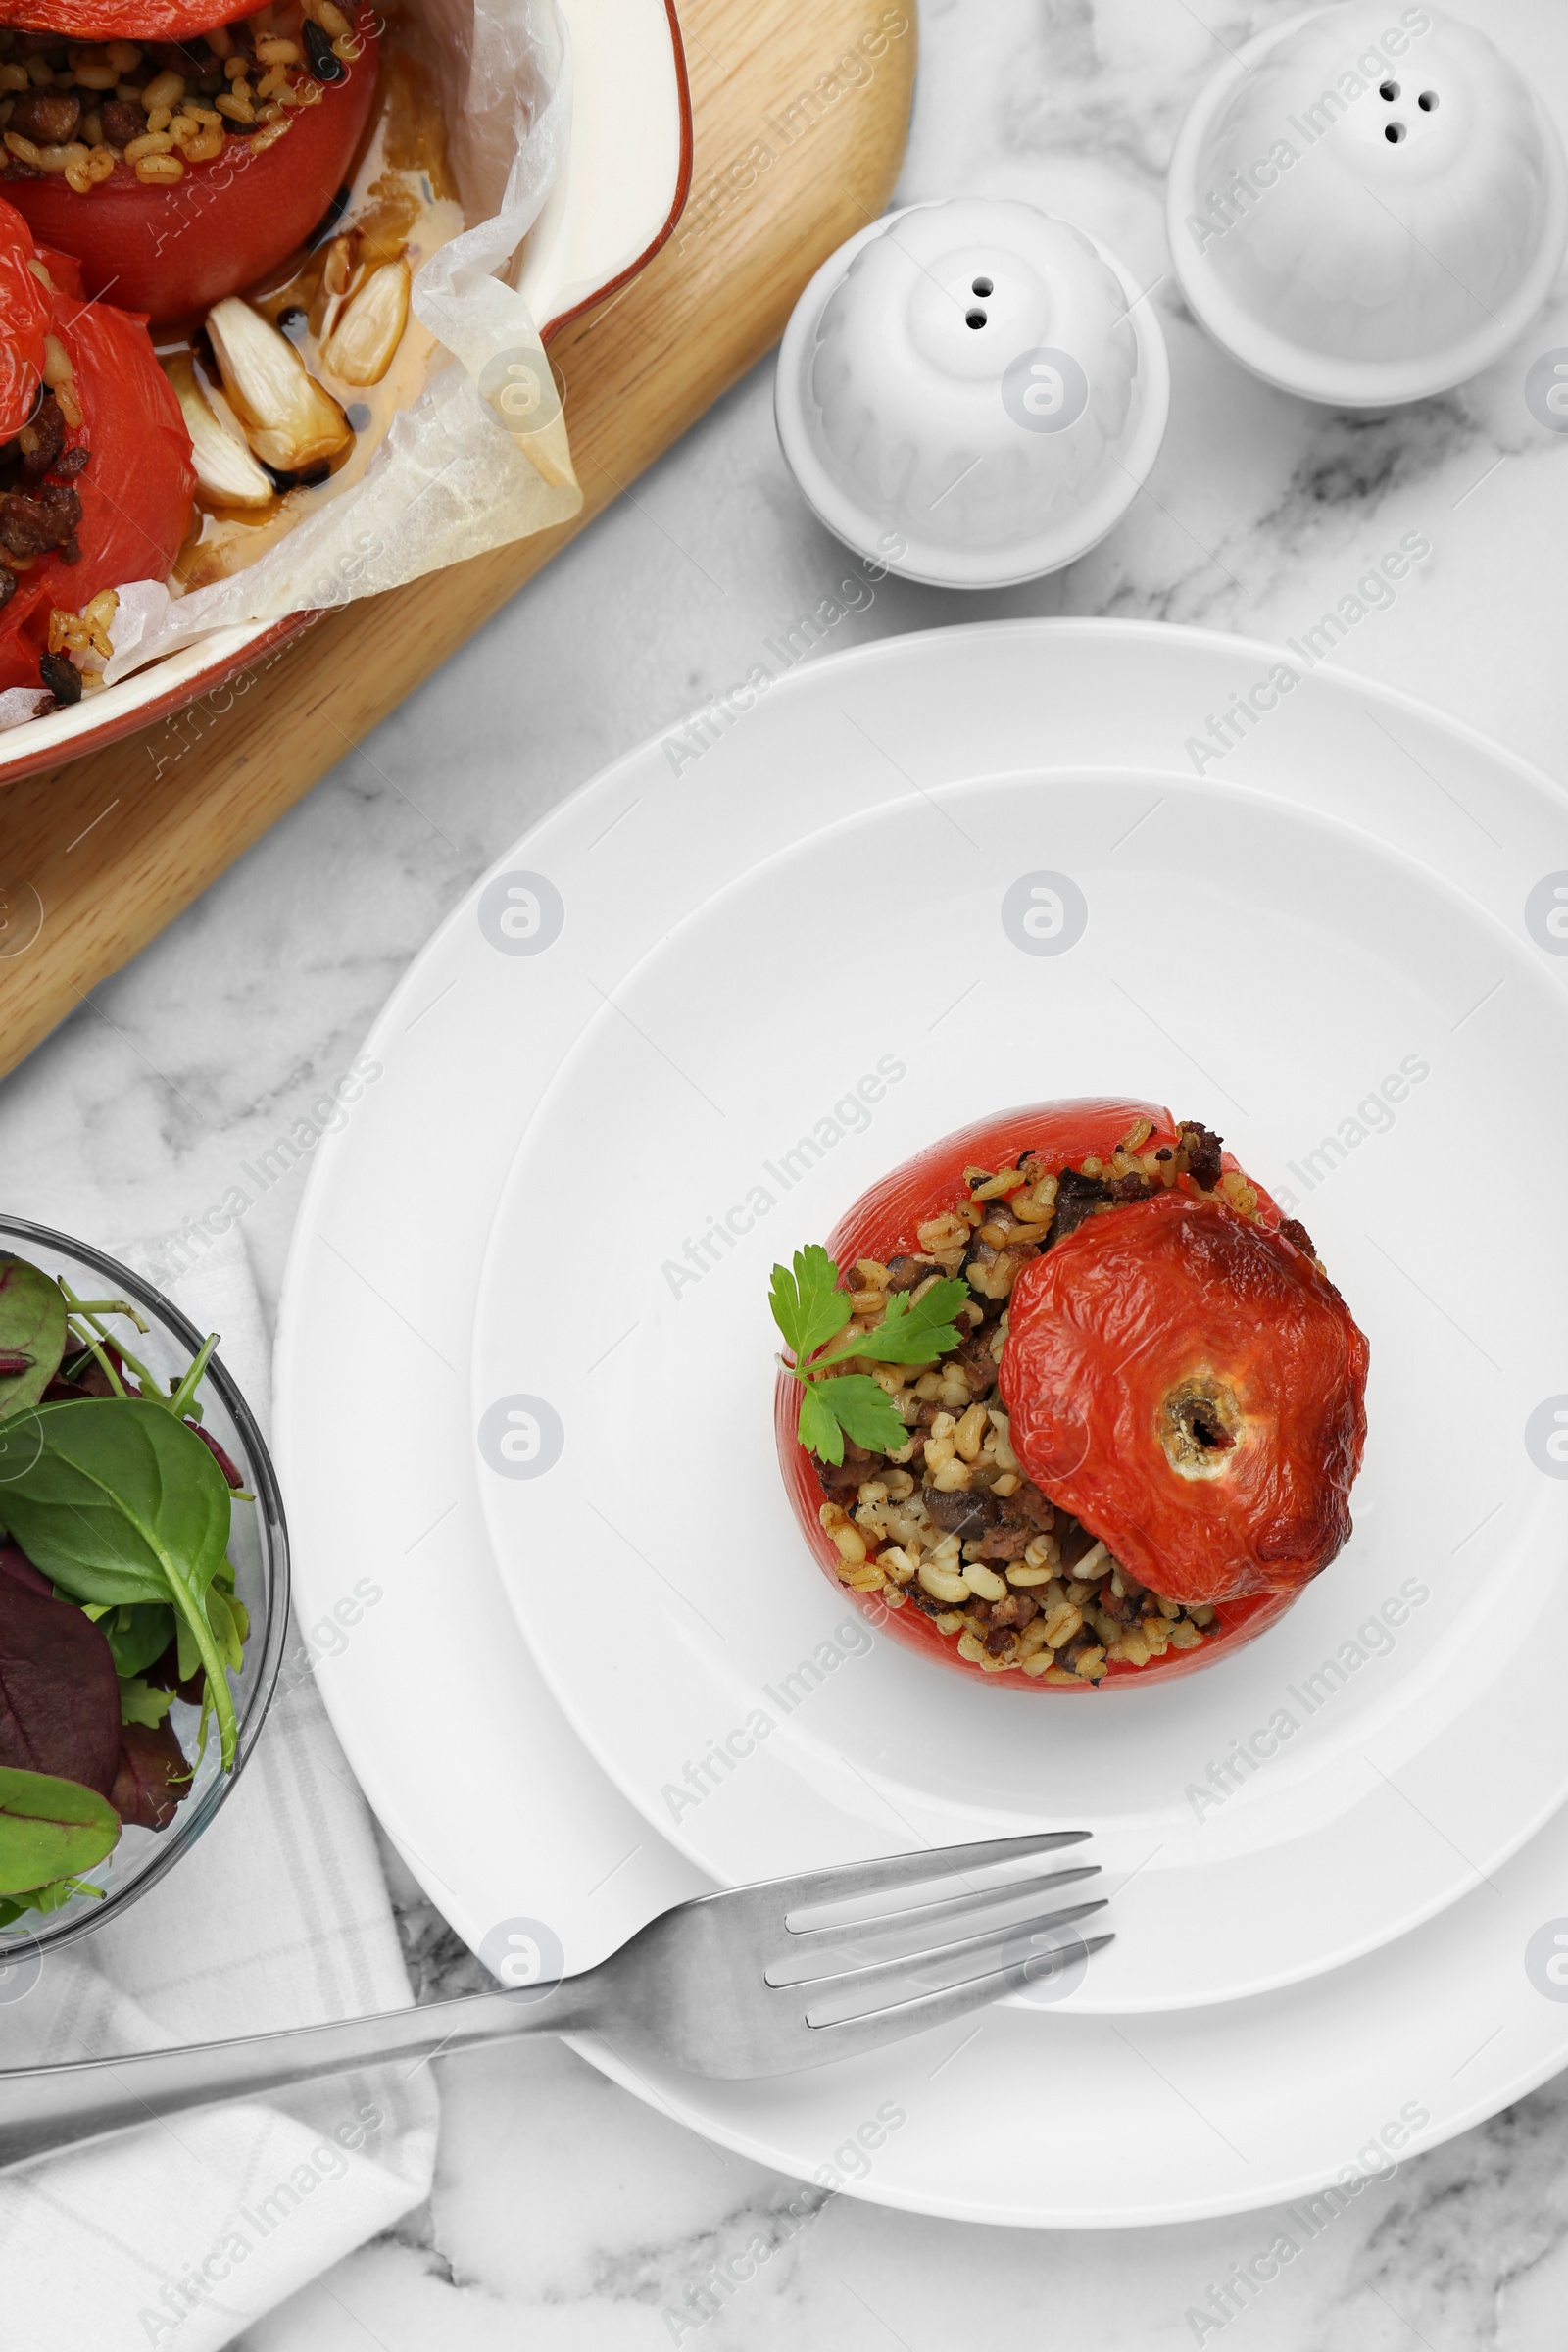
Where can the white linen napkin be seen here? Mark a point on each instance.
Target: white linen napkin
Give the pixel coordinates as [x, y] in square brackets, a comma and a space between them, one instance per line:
[184, 2235]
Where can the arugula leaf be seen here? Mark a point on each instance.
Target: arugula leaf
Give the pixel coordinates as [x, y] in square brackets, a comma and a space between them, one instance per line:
[140, 1702]
[32, 1333]
[808, 1307]
[126, 1504]
[50, 1829]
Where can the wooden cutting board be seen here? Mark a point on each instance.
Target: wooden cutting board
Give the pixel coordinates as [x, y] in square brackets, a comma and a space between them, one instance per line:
[789, 160]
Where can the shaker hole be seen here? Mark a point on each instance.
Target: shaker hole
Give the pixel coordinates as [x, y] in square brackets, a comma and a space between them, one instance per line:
[1428, 102]
[1393, 133]
[983, 285]
[975, 319]
[1390, 91]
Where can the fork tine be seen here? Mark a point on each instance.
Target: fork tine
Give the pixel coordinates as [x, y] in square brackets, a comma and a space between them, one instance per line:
[843, 2037]
[844, 1880]
[860, 1976]
[920, 1916]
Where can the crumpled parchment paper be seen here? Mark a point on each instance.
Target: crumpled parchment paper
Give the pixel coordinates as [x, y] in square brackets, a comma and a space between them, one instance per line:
[464, 469]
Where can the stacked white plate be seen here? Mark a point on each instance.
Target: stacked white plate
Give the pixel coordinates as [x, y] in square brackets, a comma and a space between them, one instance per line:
[672, 1035]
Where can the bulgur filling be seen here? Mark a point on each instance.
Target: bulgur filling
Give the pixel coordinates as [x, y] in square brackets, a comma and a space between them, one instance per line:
[83, 109]
[948, 1523]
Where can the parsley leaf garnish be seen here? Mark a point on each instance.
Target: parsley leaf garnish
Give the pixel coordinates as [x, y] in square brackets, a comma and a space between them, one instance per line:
[850, 1406]
[808, 1307]
[915, 1335]
[811, 1309]
[863, 1411]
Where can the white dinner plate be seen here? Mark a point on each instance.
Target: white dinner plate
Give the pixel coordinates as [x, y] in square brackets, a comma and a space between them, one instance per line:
[517, 1833]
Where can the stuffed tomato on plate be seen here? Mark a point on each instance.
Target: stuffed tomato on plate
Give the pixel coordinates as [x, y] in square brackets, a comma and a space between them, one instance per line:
[1067, 1401]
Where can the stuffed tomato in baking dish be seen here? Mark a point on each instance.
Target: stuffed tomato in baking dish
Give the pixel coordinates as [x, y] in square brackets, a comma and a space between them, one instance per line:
[96, 480]
[222, 210]
[1068, 1402]
[181, 149]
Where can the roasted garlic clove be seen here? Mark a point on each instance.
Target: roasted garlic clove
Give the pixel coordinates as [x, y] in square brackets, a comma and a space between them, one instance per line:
[370, 327]
[289, 421]
[224, 467]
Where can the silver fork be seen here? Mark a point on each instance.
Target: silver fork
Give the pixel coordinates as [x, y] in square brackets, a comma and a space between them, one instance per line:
[728, 1985]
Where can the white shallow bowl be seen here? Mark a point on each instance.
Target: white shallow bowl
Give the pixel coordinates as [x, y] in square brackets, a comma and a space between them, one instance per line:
[971, 393]
[736, 1696]
[620, 191]
[1367, 206]
[1124, 2120]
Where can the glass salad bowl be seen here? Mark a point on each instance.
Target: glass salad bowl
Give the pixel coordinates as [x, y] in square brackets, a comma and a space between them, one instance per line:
[257, 1551]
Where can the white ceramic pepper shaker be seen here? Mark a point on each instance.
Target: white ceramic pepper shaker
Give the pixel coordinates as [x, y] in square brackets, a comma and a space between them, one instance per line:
[972, 394]
[1367, 204]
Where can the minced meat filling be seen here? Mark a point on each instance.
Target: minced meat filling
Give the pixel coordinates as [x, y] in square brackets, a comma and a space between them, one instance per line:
[35, 522]
[39, 516]
[948, 1524]
[41, 440]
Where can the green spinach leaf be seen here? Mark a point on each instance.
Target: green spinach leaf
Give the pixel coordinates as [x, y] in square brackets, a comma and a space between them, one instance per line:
[50, 1829]
[124, 1504]
[53, 1897]
[137, 1637]
[33, 1326]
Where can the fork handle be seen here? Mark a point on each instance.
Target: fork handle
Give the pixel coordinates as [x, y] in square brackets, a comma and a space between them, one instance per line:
[46, 2108]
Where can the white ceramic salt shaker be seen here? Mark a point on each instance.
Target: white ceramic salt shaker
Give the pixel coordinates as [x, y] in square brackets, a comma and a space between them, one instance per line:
[1367, 204]
[972, 394]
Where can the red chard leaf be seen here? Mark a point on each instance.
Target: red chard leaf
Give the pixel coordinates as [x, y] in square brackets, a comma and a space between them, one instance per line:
[153, 1778]
[59, 1691]
[15, 1562]
[219, 1455]
[164, 1674]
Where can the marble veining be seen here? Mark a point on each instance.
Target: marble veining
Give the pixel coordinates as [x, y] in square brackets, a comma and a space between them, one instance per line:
[565, 2213]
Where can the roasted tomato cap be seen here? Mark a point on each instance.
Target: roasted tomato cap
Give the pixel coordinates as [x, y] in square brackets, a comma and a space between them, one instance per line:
[123, 20]
[1191, 1386]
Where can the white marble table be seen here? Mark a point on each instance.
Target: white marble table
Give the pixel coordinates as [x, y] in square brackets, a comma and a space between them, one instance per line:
[566, 2213]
